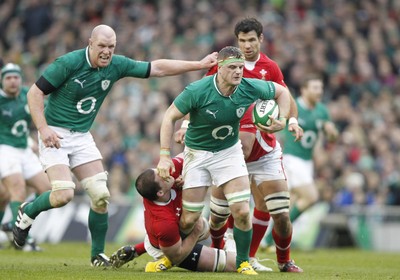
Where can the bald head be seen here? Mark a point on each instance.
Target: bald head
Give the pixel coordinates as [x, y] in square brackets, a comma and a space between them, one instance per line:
[102, 43]
[103, 30]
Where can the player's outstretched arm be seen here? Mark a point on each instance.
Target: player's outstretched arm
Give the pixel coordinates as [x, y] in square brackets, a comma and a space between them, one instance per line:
[171, 67]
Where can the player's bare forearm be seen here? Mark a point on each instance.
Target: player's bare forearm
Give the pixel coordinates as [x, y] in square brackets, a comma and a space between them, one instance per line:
[36, 106]
[282, 97]
[171, 67]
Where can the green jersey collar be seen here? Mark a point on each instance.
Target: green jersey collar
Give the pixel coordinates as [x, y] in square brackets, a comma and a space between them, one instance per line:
[87, 56]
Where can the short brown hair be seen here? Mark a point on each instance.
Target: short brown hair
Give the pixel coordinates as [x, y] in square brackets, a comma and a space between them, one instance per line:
[146, 185]
[230, 52]
[310, 77]
[248, 24]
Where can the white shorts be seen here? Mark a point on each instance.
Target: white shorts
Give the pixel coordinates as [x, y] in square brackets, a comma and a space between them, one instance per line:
[300, 172]
[268, 167]
[202, 168]
[16, 160]
[154, 252]
[76, 149]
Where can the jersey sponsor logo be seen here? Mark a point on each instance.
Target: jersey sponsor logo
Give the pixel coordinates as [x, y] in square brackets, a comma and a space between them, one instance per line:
[79, 82]
[263, 72]
[224, 129]
[20, 128]
[80, 103]
[6, 112]
[240, 112]
[194, 256]
[178, 211]
[309, 139]
[105, 84]
[212, 113]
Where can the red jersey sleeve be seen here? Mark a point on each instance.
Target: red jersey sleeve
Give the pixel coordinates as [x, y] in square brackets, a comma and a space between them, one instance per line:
[246, 123]
[276, 73]
[167, 233]
[212, 70]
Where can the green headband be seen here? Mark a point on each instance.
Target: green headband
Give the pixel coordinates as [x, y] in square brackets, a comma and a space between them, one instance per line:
[223, 62]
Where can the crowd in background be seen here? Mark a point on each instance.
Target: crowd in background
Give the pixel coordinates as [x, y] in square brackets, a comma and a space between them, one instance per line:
[354, 44]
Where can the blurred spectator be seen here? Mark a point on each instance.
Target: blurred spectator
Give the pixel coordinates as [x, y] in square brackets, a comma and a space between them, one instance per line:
[36, 18]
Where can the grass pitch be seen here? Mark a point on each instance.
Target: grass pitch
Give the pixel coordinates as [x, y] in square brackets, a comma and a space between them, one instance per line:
[71, 261]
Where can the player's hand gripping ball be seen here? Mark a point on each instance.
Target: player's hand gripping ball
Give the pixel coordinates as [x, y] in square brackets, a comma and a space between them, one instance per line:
[263, 109]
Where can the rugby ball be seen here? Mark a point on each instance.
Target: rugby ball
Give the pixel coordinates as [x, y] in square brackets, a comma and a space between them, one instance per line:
[263, 109]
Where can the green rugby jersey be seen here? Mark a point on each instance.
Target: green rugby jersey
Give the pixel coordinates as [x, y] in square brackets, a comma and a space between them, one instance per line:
[81, 89]
[311, 120]
[214, 118]
[15, 119]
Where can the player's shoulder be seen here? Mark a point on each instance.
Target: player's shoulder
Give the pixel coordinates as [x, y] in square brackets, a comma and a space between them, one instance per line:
[321, 107]
[201, 83]
[265, 57]
[2, 95]
[73, 56]
[267, 60]
[253, 82]
[118, 58]
[24, 90]
[72, 60]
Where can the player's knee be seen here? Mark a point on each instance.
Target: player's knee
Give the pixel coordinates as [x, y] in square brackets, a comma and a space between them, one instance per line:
[96, 188]
[240, 207]
[241, 215]
[62, 192]
[282, 224]
[278, 202]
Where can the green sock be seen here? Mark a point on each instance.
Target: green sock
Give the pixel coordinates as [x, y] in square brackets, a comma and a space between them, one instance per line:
[40, 204]
[243, 240]
[14, 205]
[98, 225]
[294, 213]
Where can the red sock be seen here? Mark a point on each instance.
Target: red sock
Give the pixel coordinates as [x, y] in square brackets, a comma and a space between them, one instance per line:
[217, 237]
[230, 222]
[282, 247]
[260, 225]
[139, 248]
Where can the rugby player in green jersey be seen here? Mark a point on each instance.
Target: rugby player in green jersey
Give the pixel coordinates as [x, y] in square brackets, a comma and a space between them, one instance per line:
[77, 84]
[297, 156]
[19, 165]
[213, 153]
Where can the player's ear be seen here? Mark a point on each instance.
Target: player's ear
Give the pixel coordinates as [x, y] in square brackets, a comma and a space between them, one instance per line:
[261, 38]
[160, 193]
